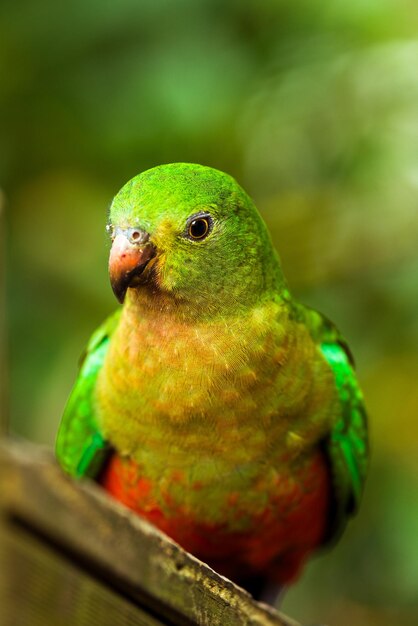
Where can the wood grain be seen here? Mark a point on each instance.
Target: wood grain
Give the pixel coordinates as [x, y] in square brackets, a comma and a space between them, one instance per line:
[69, 555]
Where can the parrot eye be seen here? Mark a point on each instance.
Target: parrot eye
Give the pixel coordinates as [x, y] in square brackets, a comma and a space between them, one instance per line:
[199, 226]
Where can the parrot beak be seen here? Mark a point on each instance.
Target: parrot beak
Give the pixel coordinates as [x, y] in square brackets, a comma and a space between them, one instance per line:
[130, 254]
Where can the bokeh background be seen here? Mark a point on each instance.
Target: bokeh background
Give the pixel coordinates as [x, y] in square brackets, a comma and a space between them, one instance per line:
[313, 107]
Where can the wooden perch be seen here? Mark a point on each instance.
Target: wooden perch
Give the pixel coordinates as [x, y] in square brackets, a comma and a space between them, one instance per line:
[70, 556]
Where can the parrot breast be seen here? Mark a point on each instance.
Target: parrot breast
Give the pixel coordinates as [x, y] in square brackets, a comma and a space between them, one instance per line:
[216, 429]
[275, 540]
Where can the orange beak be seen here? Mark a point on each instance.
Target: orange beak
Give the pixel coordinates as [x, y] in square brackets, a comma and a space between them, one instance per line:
[130, 254]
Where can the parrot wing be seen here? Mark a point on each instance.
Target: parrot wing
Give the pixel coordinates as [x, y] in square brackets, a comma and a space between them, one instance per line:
[347, 444]
[80, 447]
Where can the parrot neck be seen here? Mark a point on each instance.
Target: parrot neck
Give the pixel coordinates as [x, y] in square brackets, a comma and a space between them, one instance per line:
[150, 301]
[156, 309]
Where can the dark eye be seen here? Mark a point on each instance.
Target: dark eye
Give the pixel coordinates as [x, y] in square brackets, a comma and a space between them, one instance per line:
[199, 227]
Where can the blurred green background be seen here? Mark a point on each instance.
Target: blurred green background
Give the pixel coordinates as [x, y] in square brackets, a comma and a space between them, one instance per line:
[313, 107]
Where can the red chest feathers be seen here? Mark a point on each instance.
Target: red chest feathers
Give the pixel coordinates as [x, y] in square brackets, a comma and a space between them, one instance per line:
[275, 542]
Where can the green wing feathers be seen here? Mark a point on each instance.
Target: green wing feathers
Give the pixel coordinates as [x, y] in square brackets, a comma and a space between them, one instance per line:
[80, 447]
[347, 444]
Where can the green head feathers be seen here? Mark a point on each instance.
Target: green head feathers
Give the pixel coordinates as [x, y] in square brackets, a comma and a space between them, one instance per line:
[211, 247]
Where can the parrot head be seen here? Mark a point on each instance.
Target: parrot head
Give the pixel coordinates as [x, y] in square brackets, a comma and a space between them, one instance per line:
[190, 234]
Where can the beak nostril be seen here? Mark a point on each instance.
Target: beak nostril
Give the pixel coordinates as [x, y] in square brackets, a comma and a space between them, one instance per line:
[137, 235]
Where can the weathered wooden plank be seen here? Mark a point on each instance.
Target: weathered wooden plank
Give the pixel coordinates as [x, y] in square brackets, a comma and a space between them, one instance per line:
[111, 556]
[39, 587]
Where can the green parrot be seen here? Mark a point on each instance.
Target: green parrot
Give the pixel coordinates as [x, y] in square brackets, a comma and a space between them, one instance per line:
[212, 403]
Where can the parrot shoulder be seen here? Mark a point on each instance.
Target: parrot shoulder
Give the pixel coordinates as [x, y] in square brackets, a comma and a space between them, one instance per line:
[80, 447]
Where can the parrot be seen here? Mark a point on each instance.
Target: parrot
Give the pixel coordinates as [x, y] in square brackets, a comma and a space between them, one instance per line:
[212, 403]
